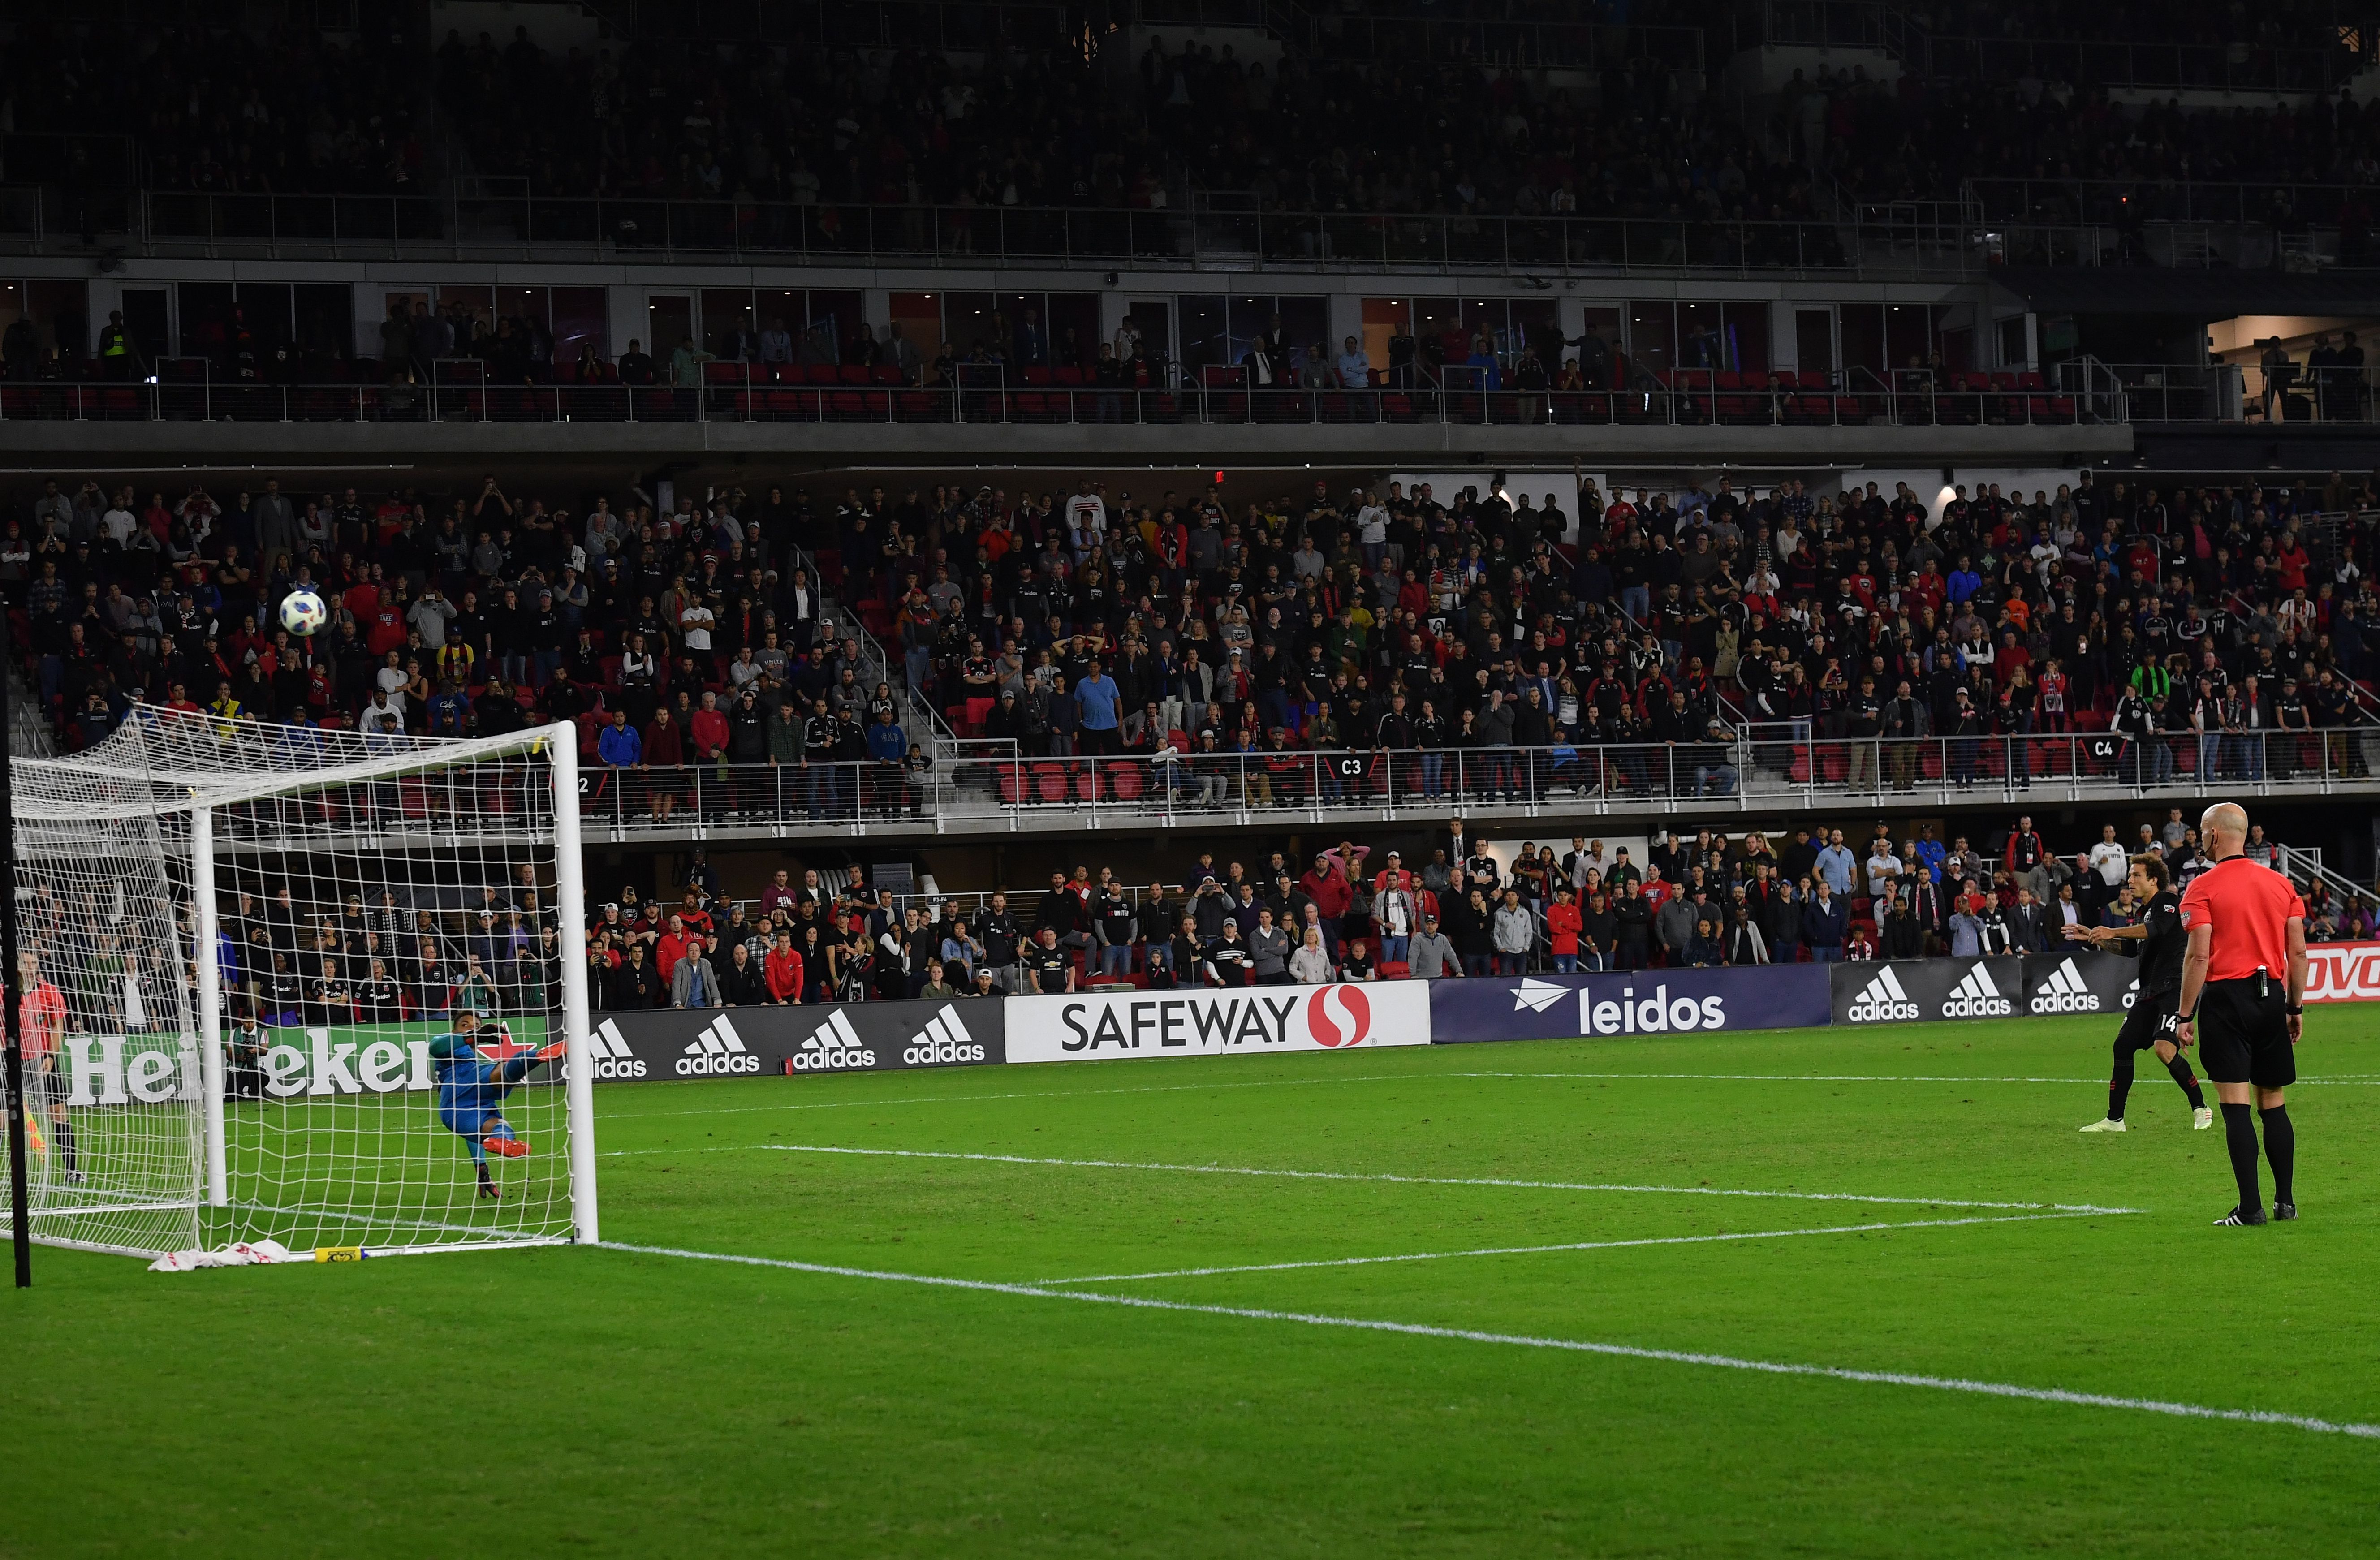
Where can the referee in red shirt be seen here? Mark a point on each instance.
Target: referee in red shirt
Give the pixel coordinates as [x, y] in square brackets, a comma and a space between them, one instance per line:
[2244, 987]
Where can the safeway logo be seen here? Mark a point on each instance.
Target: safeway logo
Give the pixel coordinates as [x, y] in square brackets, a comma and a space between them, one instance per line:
[1338, 1016]
[718, 1051]
[2065, 992]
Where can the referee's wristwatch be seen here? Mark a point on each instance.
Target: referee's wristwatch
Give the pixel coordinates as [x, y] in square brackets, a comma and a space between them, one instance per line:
[2298, 1012]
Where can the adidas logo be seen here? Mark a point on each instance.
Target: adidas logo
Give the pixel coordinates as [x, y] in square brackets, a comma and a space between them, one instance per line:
[1882, 1000]
[607, 1050]
[2064, 992]
[2133, 994]
[716, 1052]
[1976, 997]
[834, 1047]
[944, 1039]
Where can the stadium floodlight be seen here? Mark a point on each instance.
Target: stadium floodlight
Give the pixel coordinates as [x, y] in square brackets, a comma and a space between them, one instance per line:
[322, 987]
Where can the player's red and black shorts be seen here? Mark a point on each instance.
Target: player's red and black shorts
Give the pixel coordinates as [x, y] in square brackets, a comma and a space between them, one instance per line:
[2151, 1020]
[2243, 1033]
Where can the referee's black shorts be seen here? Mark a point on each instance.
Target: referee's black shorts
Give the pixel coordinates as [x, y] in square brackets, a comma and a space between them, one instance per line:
[2151, 1020]
[2243, 1033]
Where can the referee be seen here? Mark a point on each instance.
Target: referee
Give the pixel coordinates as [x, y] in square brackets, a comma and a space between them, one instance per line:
[2243, 984]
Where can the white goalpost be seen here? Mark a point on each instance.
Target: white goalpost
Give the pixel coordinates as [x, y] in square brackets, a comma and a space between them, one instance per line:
[255, 955]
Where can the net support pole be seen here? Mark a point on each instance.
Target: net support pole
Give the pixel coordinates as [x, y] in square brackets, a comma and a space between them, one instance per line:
[12, 1000]
[209, 932]
[570, 893]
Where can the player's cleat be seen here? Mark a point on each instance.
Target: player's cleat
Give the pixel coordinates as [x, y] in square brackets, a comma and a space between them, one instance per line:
[2242, 1216]
[509, 1148]
[2283, 1212]
[2202, 1118]
[488, 1189]
[553, 1051]
[2107, 1126]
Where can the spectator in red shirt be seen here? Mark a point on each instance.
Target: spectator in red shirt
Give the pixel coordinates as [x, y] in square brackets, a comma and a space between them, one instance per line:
[1562, 924]
[708, 731]
[783, 968]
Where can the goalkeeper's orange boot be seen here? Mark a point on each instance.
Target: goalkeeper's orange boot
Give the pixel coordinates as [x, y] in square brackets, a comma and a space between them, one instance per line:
[488, 1189]
[509, 1148]
[553, 1051]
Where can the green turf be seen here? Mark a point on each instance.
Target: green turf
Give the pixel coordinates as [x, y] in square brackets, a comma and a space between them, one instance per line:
[609, 1402]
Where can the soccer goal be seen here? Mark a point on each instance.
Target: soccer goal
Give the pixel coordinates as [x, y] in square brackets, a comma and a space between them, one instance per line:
[312, 985]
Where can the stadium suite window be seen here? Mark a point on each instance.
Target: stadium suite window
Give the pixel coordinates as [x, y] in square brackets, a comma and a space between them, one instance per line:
[60, 311]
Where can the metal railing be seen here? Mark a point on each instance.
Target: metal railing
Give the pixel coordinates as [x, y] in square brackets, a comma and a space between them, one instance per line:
[42, 217]
[2113, 202]
[1768, 767]
[994, 395]
[2231, 392]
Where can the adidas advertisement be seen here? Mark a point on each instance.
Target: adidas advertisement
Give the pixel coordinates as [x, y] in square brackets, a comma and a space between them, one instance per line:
[1639, 1002]
[1923, 990]
[2085, 981]
[1246, 1022]
[670, 1044]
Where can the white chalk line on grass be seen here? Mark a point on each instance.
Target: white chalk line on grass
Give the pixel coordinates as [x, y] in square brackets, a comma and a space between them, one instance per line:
[1568, 1246]
[1034, 1094]
[2372, 1081]
[1522, 1340]
[1430, 1181]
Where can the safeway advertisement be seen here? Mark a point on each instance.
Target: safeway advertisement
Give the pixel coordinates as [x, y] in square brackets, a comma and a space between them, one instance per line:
[1352, 1017]
[2343, 972]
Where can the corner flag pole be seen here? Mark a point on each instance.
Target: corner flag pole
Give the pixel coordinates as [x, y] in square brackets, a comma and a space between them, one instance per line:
[21, 1202]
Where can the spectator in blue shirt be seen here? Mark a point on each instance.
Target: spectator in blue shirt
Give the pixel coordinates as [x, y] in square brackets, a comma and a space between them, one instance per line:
[1835, 866]
[1095, 700]
[1965, 581]
[620, 746]
[887, 743]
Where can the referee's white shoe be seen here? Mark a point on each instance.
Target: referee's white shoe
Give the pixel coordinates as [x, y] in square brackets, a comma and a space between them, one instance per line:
[2107, 1126]
[2202, 1118]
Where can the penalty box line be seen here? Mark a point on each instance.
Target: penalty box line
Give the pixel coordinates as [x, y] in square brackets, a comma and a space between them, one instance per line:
[1436, 1180]
[1523, 1341]
[1571, 1246]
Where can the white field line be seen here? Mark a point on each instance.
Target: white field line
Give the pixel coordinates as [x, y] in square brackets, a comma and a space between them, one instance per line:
[2372, 1081]
[1434, 1180]
[1034, 1094]
[1568, 1246]
[1580, 1346]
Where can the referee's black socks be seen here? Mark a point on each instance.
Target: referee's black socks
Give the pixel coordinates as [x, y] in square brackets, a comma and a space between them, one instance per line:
[2240, 1136]
[69, 1152]
[2281, 1148]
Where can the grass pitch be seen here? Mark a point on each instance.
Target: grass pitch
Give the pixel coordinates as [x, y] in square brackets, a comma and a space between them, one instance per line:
[627, 1402]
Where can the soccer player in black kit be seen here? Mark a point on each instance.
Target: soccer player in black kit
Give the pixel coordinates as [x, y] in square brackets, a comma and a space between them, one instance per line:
[2150, 1024]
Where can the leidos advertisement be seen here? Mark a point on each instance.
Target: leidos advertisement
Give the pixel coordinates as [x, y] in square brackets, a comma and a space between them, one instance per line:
[1245, 1022]
[1637, 1002]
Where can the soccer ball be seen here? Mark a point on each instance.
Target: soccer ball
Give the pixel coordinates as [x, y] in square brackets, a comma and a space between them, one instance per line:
[302, 612]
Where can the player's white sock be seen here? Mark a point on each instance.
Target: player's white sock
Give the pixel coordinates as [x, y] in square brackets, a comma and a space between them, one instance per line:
[2106, 1127]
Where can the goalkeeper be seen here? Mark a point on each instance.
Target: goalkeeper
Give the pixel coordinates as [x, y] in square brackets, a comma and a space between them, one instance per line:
[471, 1089]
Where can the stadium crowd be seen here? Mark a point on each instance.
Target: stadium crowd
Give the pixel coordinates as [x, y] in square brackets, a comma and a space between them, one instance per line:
[1085, 624]
[1803, 894]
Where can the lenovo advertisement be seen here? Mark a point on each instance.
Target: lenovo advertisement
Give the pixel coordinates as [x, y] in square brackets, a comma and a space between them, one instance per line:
[1639, 1002]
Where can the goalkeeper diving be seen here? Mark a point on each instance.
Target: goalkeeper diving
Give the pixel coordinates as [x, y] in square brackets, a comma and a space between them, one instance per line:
[471, 1088]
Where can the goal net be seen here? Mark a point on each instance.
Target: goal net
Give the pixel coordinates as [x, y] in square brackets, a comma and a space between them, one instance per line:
[294, 984]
